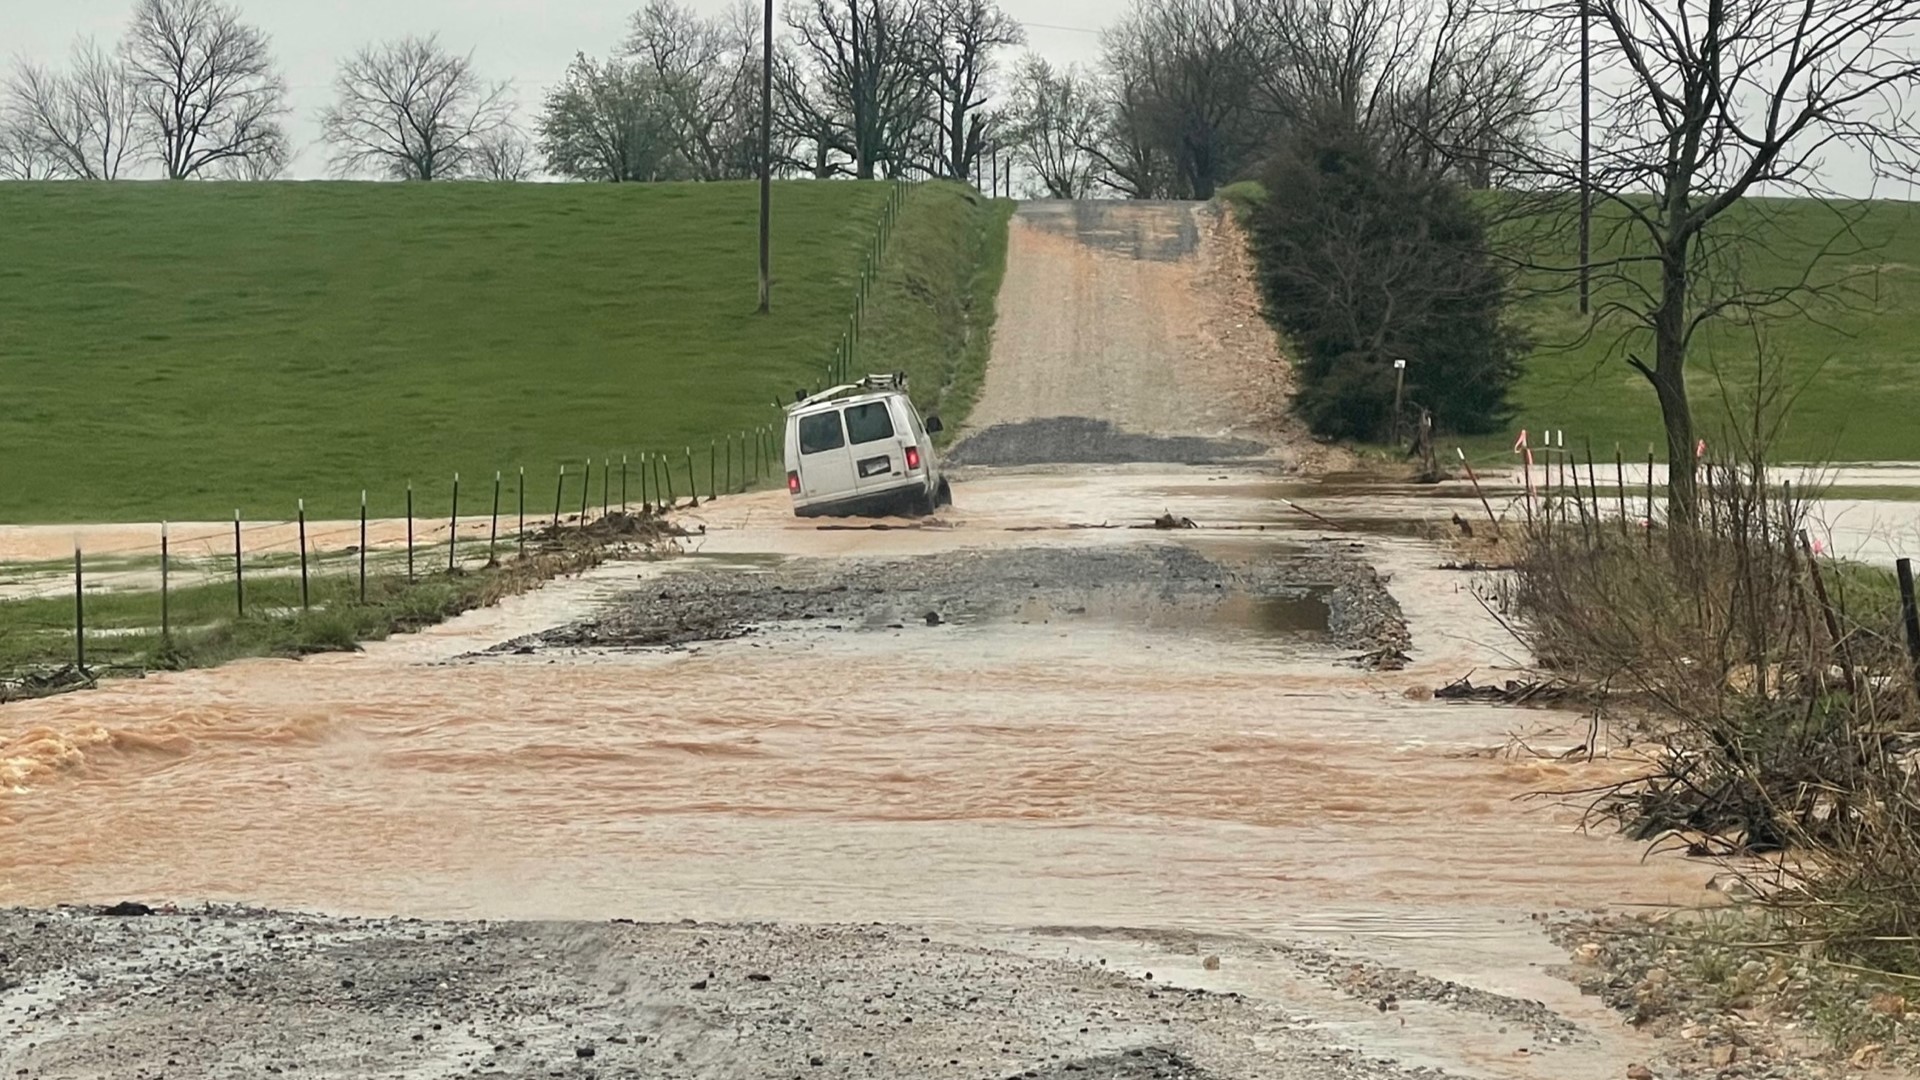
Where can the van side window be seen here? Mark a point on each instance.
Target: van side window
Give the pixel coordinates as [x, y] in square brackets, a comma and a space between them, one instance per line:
[869, 423]
[820, 432]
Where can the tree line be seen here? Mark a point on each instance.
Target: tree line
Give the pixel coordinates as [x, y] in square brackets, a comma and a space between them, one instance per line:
[1373, 122]
[1189, 94]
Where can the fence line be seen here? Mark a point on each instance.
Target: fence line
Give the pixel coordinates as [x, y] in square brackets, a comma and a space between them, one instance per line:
[249, 554]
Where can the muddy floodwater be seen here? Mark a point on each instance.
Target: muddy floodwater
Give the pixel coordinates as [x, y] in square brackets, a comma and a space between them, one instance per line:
[1201, 759]
[1090, 765]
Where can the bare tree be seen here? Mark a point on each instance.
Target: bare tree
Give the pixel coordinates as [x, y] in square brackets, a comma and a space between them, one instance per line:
[505, 155]
[269, 162]
[1182, 72]
[609, 122]
[81, 122]
[861, 83]
[806, 126]
[22, 156]
[1446, 87]
[411, 110]
[707, 70]
[209, 90]
[1696, 109]
[1057, 120]
[967, 35]
[1131, 159]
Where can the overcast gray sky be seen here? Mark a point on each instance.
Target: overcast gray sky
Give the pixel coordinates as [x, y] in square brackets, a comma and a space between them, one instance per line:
[528, 41]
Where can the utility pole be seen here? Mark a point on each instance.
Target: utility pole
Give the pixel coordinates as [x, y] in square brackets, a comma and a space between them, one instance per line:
[1586, 156]
[766, 162]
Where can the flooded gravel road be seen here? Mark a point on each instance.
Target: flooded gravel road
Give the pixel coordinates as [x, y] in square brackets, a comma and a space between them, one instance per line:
[1023, 791]
[1100, 759]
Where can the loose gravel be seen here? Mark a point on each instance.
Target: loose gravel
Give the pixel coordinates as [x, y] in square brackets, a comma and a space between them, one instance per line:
[1322, 593]
[237, 993]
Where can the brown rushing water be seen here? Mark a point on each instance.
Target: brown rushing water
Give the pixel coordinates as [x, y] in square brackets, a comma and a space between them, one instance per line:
[1013, 774]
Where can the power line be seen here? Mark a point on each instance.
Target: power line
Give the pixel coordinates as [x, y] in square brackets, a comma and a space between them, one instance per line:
[1052, 26]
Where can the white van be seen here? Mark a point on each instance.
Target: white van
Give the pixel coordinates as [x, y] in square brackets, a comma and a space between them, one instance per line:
[863, 451]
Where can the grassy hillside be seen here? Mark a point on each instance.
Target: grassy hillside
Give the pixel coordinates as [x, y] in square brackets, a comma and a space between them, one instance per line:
[1851, 364]
[932, 312]
[181, 350]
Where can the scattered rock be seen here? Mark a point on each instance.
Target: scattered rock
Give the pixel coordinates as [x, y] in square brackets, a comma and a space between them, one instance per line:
[1639, 1072]
[584, 1052]
[1892, 1005]
[126, 909]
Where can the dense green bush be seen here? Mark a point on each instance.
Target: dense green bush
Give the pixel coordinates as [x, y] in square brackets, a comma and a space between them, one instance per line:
[1361, 265]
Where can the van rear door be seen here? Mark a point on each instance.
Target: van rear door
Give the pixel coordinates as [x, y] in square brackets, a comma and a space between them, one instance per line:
[878, 454]
[826, 466]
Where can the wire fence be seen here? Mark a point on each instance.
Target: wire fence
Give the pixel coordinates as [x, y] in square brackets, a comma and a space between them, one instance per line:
[169, 596]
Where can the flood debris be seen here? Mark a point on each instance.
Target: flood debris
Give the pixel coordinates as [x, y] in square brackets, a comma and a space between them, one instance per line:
[38, 684]
[1168, 521]
[1511, 692]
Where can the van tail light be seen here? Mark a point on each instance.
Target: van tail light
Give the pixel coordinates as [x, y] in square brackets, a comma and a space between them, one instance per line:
[913, 458]
[793, 482]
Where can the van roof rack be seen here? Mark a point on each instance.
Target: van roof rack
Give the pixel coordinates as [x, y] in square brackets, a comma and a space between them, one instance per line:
[892, 381]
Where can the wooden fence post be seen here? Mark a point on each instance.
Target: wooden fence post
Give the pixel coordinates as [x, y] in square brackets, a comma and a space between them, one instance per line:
[1910, 613]
[363, 545]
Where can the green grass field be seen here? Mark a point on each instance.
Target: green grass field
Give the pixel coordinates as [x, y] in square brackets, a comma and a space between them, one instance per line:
[182, 350]
[1851, 366]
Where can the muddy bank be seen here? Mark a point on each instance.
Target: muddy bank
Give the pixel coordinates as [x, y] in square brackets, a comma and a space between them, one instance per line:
[1321, 593]
[228, 992]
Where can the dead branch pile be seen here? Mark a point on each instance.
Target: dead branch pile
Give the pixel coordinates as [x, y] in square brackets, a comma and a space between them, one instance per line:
[1781, 696]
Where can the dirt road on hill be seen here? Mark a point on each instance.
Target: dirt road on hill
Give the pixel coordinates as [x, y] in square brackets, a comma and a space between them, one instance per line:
[1131, 331]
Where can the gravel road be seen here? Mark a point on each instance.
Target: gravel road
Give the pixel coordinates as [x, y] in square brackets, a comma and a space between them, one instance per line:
[1131, 331]
[236, 993]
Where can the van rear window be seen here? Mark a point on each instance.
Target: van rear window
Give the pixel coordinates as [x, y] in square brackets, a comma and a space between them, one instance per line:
[820, 432]
[869, 422]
